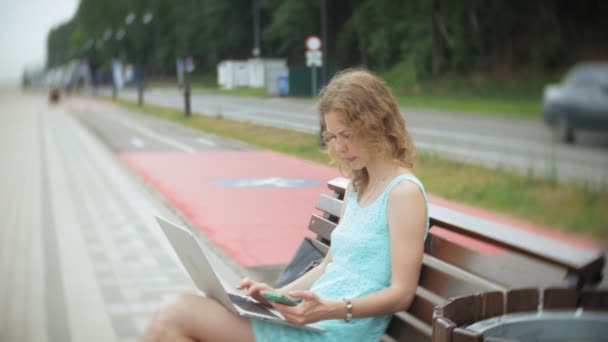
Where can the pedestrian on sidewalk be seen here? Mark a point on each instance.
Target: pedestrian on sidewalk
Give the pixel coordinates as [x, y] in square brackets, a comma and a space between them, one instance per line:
[372, 268]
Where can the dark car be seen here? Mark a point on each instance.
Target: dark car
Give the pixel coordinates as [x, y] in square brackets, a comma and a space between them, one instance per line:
[580, 101]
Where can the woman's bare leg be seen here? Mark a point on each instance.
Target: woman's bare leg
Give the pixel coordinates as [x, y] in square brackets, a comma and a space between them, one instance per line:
[196, 318]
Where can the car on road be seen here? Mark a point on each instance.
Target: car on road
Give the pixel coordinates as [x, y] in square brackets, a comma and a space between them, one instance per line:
[580, 101]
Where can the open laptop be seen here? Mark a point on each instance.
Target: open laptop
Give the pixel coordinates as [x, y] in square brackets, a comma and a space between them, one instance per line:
[193, 257]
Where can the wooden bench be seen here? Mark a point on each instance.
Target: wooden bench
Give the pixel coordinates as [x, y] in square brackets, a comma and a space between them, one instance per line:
[466, 255]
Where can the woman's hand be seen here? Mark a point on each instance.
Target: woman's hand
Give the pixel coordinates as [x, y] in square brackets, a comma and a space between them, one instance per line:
[254, 289]
[312, 309]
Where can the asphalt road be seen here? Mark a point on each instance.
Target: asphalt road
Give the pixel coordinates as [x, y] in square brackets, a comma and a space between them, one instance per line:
[518, 144]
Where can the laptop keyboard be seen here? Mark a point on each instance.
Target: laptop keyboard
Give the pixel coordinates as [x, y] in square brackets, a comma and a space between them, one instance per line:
[250, 306]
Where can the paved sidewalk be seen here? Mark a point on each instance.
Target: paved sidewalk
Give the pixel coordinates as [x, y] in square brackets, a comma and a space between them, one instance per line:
[81, 257]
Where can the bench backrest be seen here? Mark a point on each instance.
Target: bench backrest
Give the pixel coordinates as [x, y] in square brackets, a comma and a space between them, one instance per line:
[466, 255]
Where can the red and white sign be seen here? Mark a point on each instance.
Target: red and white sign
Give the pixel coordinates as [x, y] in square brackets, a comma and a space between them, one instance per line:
[313, 43]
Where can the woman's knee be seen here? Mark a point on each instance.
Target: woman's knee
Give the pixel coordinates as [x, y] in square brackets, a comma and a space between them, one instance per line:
[171, 318]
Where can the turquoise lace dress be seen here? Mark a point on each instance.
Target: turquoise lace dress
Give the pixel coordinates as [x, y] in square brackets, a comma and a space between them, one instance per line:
[361, 265]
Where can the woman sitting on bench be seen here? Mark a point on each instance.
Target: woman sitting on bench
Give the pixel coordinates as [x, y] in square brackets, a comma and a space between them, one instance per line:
[372, 268]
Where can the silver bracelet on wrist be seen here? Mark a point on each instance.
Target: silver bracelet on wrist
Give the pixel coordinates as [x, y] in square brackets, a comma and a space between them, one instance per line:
[349, 310]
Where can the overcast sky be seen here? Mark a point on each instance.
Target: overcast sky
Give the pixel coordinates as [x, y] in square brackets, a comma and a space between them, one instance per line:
[24, 26]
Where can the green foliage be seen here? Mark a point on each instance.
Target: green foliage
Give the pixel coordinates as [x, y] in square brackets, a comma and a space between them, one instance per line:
[423, 38]
[291, 21]
[518, 93]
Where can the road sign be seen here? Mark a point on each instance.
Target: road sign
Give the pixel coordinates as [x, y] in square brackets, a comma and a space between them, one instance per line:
[313, 43]
[189, 64]
[314, 58]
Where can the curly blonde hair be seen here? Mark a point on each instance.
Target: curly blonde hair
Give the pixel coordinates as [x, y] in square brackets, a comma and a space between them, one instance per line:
[371, 112]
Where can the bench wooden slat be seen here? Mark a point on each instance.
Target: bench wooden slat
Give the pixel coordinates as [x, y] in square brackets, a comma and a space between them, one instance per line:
[329, 205]
[398, 330]
[338, 185]
[430, 296]
[500, 265]
[415, 323]
[517, 239]
[422, 309]
[459, 273]
[444, 284]
[321, 226]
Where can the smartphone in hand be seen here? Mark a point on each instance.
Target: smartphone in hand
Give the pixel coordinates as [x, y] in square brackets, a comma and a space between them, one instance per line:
[281, 299]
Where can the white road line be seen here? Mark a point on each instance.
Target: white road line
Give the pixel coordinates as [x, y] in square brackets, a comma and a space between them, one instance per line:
[137, 142]
[153, 135]
[205, 141]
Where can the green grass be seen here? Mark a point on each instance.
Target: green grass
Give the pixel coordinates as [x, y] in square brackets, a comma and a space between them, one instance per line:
[259, 92]
[567, 207]
[484, 105]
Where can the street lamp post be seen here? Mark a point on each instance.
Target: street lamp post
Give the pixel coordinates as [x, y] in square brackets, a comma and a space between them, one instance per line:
[187, 109]
[256, 51]
[324, 40]
[120, 33]
[85, 51]
[323, 7]
[107, 35]
[96, 80]
[146, 19]
[128, 21]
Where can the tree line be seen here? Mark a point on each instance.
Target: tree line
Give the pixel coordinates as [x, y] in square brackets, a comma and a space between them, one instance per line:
[425, 37]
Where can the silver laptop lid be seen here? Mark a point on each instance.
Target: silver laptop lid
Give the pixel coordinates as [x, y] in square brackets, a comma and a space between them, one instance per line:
[195, 261]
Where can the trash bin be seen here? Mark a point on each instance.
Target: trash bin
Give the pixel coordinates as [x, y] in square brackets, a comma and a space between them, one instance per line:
[552, 314]
[54, 95]
[284, 84]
